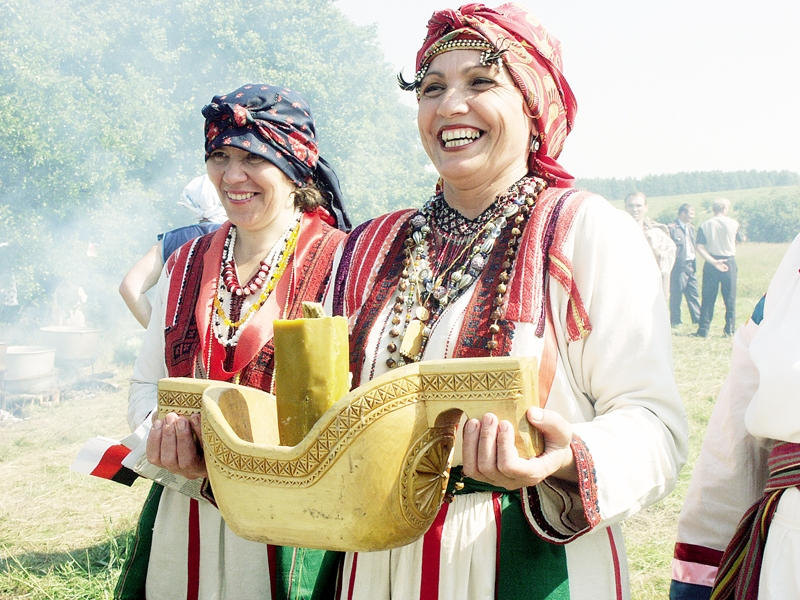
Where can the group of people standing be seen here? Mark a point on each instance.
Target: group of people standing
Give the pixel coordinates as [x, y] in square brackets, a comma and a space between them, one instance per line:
[676, 247]
[506, 258]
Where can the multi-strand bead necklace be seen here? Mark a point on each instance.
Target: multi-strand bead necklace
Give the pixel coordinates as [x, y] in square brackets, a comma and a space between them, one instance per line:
[228, 327]
[425, 290]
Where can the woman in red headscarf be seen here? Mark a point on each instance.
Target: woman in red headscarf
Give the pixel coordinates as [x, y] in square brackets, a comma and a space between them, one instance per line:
[212, 319]
[508, 259]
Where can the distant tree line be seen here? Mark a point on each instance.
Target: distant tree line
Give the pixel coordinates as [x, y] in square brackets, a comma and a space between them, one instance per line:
[768, 215]
[696, 182]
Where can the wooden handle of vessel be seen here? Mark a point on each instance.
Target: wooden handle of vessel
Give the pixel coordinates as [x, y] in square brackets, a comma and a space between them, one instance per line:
[234, 409]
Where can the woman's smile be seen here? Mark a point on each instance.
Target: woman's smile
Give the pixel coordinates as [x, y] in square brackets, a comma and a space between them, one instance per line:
[240, 196]
[457, 136]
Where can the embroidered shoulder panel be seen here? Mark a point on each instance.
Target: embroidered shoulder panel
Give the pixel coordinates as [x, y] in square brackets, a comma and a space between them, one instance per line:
[367, 275]
[542, 257]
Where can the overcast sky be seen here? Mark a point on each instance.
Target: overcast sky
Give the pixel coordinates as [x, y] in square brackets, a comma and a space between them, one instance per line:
[662, 87]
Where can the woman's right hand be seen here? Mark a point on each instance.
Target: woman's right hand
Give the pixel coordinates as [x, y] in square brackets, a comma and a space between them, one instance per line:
[174, 444]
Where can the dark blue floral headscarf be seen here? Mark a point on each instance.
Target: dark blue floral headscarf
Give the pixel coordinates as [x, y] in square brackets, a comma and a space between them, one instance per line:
[275, 123]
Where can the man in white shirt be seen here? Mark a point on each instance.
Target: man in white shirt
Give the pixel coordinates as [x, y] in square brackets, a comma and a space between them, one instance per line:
[716, 243]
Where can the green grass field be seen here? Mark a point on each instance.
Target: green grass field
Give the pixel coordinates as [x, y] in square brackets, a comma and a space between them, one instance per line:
[62, 535]
[701, 366]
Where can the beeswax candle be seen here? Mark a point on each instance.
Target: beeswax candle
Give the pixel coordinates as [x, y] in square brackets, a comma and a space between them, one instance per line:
[311, 370]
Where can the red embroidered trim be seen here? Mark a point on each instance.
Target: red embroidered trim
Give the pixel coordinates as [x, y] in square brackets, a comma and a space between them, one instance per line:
[535, 516]
[542, 245]
[383, 277]
[474, 333]
[587, 480]
[376, 240]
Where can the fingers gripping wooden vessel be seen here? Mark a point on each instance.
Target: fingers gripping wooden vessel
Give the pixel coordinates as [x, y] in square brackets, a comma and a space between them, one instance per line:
[372, 472]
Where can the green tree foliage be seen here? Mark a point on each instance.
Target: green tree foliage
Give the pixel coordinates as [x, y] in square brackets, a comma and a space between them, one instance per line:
[772, 219]
[695, 182]
[100, 124]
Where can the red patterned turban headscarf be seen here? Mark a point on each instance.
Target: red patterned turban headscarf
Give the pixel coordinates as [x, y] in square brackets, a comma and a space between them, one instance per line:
[532, 56]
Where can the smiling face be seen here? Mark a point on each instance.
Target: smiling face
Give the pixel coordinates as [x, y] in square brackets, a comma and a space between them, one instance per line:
[472, 122]
[256, 194]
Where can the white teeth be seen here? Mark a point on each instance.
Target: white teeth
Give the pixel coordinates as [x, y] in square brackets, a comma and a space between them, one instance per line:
[244, 196]
[457, 143]
[453, 138]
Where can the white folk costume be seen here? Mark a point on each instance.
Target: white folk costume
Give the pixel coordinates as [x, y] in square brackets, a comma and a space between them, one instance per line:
[192, 553]
[583, 284]
[558, 275]
[205, 323]
[750, 458]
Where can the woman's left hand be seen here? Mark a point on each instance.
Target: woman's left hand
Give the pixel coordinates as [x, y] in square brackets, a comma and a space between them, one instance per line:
[489, 453]
[174, 444]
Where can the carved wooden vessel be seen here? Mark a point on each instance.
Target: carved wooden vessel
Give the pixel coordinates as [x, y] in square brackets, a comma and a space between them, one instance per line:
[372, 472]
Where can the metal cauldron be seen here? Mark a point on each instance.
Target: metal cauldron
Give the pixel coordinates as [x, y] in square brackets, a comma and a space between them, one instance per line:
[28, 367]
[75, 347]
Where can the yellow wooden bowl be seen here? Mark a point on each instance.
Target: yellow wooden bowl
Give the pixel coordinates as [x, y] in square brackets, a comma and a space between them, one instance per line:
[372, 472]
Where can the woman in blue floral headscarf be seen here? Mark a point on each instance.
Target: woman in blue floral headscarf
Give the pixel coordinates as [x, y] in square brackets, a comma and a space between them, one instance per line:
[212, 318]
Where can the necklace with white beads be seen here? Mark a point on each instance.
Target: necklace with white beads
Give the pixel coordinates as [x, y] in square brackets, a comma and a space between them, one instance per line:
[232, 310]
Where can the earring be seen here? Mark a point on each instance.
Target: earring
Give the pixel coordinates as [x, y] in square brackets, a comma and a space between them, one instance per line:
[535, 144]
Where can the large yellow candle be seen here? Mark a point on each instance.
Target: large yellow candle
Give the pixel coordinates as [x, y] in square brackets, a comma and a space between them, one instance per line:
[312, 364]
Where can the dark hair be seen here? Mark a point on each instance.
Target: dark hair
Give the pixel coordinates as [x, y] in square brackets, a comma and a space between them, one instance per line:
[684, 208]
[309, 197]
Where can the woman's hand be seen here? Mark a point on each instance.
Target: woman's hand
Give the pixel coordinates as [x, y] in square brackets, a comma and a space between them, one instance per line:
[175, 444]
[489, 453]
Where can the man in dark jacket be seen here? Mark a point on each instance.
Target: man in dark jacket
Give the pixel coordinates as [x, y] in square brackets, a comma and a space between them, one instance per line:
[683, 281]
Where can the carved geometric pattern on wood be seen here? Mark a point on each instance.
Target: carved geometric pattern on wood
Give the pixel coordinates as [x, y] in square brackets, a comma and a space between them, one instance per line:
[182, 403]
[472, 386]
[303, 471]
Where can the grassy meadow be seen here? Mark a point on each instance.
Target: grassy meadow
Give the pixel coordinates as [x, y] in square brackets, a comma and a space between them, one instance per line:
[63, 535]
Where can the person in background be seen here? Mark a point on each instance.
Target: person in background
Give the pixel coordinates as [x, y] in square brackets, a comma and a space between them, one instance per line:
[213, 310]
[657, 235]
[683, 281]
[739, 529]
[716, 243]
[507, 258]
[200, 197]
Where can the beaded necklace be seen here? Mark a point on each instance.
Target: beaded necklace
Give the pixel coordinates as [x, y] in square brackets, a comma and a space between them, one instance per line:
[228, 327]
[434, 278]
